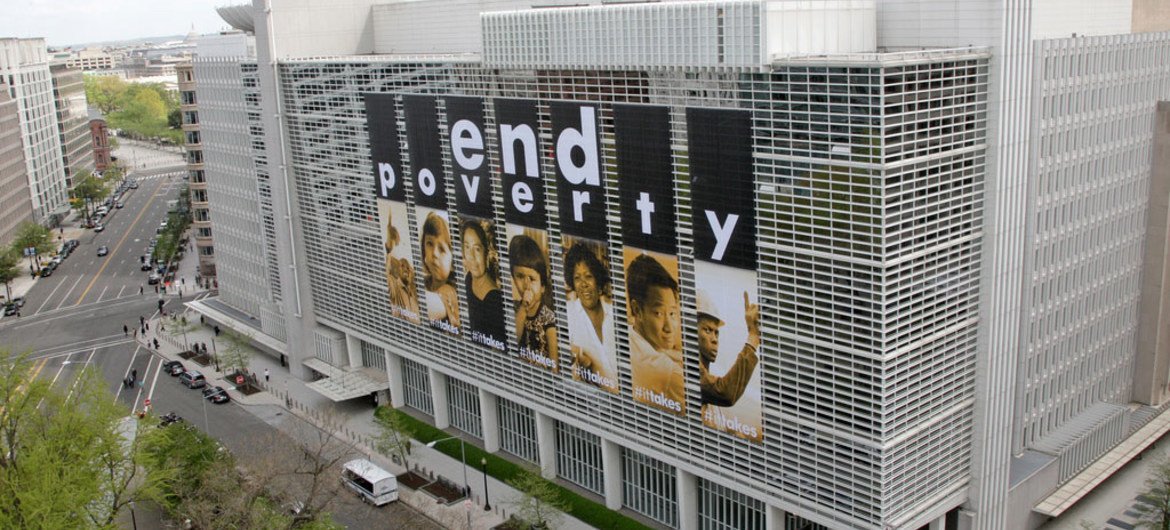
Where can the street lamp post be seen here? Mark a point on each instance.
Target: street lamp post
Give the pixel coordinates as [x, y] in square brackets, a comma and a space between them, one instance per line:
[487, 503]
[462, 458]
[133, 518]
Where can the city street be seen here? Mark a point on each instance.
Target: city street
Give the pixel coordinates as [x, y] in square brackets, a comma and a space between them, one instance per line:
[75, 317]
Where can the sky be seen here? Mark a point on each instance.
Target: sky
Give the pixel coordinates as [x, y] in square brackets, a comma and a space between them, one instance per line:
[65, 22]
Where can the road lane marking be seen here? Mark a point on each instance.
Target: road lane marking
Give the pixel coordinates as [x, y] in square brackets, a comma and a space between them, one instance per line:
[120, 291]
[47, 298]
[117, 247]
[77, 380]
[66, 296]
[103, 293]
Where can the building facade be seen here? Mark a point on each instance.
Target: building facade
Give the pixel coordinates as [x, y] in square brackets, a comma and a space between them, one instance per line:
[196, 177]
[24, 64]
[99, 136]
[72, 121]
[14, 194]
[945, 226]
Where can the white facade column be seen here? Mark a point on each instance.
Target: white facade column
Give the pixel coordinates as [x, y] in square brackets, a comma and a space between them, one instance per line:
[688, 500]
[439, 399]
[394, 374]
[546, 438]
[611, 467]
[353, 349]
[490, 417]
[938, 524]
[773, 517]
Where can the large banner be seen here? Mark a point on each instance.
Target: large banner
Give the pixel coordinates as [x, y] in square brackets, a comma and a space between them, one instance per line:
[582, 206]
[650, 255]
[719, 166]
[441, 301]
[535, 333]
[719, 145]
[392, 215]
[477, 228]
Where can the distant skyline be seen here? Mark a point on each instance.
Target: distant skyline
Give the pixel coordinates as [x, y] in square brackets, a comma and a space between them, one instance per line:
[67, 22]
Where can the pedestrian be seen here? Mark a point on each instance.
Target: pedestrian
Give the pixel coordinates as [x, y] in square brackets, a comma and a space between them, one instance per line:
[156, 343]
[141, 320]
[125, 330]
[134, 374]
[266, 379]
[146, 325]
[201, 322]
[140, 289]
[216, 329]
[156, 288]
[135, 333]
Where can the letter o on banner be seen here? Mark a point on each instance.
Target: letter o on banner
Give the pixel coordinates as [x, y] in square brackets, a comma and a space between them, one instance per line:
[426, 182]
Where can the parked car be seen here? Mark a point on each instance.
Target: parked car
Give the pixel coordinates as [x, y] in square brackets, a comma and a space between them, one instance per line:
[193, 379]
[10, 309]
[46, 271]
[133, 184]
[103, 250]
[146, 265]
[209, 390]
[219, 397]
[153, 278]
[173, 367]
[19, 301]
[119, 205]
[98, 227]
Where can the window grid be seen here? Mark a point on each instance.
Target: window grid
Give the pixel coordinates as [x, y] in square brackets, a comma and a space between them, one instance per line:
[518, 430]
[579, 458]
[373, 356]
[416, 386]
[649, 487]
[463, 407]
[723, 508]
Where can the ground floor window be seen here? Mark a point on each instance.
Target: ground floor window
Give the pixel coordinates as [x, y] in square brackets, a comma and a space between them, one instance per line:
[722, 508]
[579, 458]
[463, 407]
[518, 430]
[650, 487]
[416, 386]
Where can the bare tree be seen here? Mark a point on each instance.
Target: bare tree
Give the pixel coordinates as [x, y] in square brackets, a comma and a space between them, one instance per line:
[1155, 512]
[540, 505]
[393, 435]
[302, 473]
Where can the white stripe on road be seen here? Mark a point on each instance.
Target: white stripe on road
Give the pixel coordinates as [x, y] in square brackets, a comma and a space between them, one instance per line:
[66, 297]
[47, 298]
[103, 293]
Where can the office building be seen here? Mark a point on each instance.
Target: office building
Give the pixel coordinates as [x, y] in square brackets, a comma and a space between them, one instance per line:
[14, 193]
[72, 121]
[945, 212]
[25, 67]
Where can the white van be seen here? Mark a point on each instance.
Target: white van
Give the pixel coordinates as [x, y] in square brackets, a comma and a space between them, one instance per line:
[372, 483]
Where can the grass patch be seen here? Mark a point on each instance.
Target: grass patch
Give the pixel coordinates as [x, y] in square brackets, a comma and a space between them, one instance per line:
[586, 510]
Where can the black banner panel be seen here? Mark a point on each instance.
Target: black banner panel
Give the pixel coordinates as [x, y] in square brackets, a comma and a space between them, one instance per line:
[520, 152]
[580, 189]
[392, 215]
[645, 178]
[723, 202]
[589, 291]
[426, 154]
[387, 161]
[481, 282]
[722, 189]
[473, 187]
[532, 298]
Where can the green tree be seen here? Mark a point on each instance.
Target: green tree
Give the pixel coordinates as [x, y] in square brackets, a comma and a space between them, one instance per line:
[393, 435]
[1155, 512]
[174, 119]
[35, 236]
[64, 436]
[9, 269]
[104, 92]
[540, 505]
[89, 189]
[179, 325]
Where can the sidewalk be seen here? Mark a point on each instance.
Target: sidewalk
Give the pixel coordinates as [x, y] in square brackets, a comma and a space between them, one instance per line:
[352, 421]
[70, 229]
